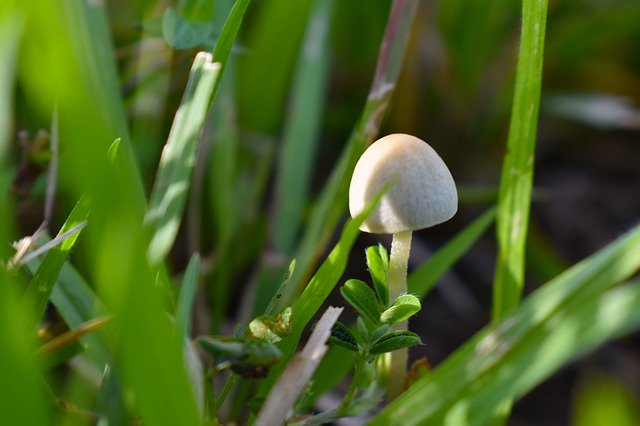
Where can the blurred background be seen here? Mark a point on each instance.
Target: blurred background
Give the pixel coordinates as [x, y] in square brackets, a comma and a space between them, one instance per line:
[455, 92]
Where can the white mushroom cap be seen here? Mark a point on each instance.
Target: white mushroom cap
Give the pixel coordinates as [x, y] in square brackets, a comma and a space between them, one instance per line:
[423, 192]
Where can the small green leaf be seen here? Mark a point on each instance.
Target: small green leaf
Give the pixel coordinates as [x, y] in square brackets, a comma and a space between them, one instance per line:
[271, 329]
[342, 336]
[378, 264]
[362, 298]
[187, 296]
[403, 307]
[394, 341]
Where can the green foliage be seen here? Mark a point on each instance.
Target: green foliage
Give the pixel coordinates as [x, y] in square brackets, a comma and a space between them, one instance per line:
[402, 308]
[187, 296]
[359, 295]
[378, 264]
[516, 182]
[273, 328]
[39, 290]
[341, 335]
[394, 341]
[272, 117]
[170, 189]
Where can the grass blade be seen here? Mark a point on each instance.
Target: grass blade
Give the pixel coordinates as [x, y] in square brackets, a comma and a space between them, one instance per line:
[171, 187]
[565, 317]
[25, 403]
[425, 277]
[187, 296]
[277, 23]
[92, 44]
[514, 198]
[332, 202]
[302, 127]
[229, 32]
[39, 290]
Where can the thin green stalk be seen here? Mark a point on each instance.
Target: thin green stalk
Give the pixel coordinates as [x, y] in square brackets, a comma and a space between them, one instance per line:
[514, 198]
[226, 389]
[397, 360]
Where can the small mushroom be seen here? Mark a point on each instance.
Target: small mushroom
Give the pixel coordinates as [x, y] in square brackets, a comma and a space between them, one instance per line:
[423, 194]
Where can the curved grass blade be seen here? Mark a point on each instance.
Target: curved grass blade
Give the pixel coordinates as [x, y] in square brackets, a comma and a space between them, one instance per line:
[39, 289]
[514, 197]
[570, 314]
[171, 187]
[187, 296]
[302, 127]
[425, 277]
[25, 401]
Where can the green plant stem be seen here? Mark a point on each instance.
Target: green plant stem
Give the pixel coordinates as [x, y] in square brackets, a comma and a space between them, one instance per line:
[225, 392]
[396, 365]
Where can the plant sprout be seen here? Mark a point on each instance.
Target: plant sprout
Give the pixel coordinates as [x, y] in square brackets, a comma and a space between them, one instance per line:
[423, 195]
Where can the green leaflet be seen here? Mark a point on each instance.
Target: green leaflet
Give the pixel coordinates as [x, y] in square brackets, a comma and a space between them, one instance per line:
[403, 307]
[378, 264]
[395, 340]
[359, 295]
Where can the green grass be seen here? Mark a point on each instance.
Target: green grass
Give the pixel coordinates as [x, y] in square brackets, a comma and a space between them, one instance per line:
[257, 156]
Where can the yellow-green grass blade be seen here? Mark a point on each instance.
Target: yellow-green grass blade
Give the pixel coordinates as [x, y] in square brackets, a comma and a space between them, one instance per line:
[426, 276]
[273, 40]
[301, 131]
[24, 399]
[39, 289]
[571, 314]
[514, 198]
[187, 296]
[116, 241]
[171, 187]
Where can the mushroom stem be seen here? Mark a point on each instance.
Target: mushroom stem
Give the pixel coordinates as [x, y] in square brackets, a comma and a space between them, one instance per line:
[397, 361]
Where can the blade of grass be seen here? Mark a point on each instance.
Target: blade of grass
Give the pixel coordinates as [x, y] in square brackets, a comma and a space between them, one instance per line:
[147, 344]
[18, 368]
[514, 353]
[39, 289]
[516, 181]
[229, 32]
[332, 202]
[93, 48]
[514, 198]
[70, 337]
[187, 296]
[77, 303]
[425, 277]
[301, 131]
[277, 23]
[170, 190]
[168, 197]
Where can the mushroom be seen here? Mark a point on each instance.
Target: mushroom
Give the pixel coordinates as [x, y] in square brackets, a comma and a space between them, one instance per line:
[423, 194]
